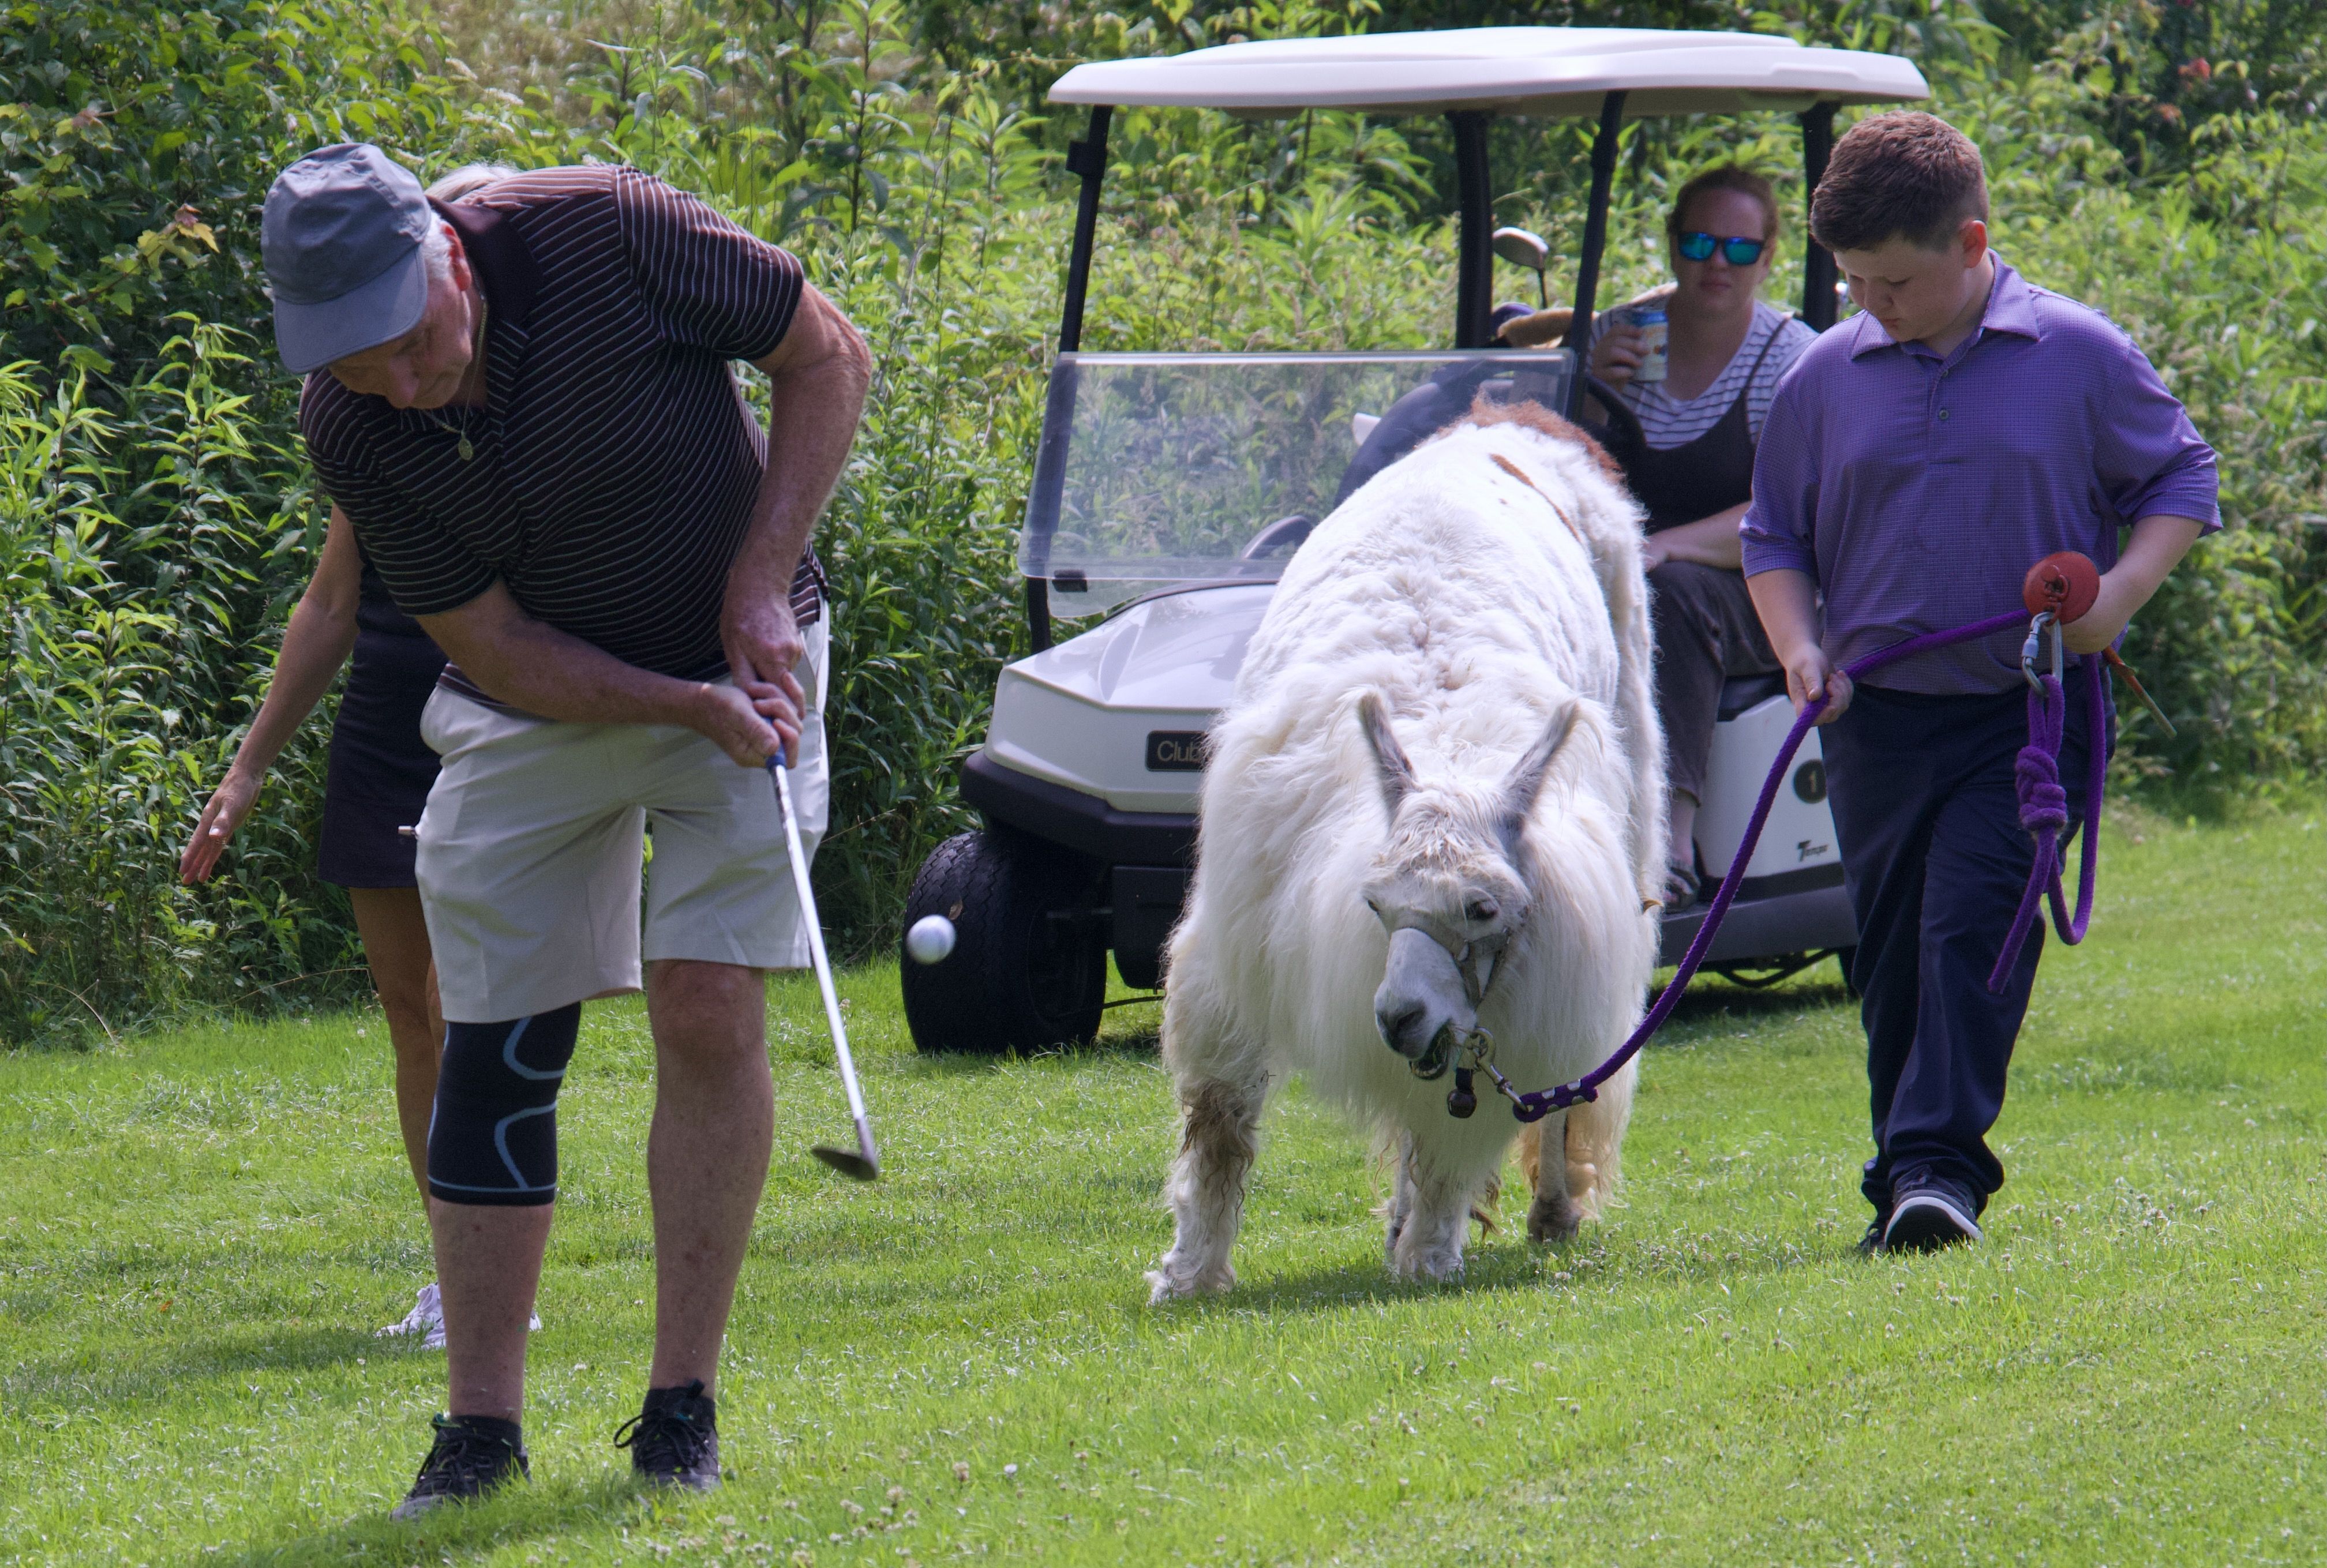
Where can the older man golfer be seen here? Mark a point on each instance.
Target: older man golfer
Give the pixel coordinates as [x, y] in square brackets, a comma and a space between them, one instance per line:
[523, 402]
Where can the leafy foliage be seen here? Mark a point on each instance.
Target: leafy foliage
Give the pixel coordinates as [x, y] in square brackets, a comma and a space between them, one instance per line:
[155, 521]
[142, 531]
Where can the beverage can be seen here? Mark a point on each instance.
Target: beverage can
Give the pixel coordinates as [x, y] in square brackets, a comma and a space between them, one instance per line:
[1650, 320]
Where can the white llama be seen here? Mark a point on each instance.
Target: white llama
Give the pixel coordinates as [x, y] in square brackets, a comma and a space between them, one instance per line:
[1435, 802]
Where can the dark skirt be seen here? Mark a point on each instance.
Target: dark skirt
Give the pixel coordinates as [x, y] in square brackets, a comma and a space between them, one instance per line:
[380, 769]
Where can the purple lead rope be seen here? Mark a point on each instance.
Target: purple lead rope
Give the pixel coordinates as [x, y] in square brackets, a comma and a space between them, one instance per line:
[2044, 814]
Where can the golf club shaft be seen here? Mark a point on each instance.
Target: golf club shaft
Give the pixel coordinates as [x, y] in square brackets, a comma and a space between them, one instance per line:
[815, 945]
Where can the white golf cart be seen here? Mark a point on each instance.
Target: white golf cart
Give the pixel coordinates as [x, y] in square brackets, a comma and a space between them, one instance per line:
[1170, 490]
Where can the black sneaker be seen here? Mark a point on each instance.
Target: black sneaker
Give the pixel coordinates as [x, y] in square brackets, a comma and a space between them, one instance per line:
[472, 1455]
[674, 1441]
[1929, 1212]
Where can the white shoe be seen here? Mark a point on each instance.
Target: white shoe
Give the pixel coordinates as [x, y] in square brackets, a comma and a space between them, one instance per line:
[426, 1317]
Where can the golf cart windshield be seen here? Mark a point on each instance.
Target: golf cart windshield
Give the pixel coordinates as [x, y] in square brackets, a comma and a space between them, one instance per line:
[1159, 469]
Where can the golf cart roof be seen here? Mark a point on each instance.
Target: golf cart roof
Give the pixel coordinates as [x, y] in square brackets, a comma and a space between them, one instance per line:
[1514, 70]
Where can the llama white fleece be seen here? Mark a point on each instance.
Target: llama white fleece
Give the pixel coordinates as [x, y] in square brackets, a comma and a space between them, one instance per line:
[1486, 590]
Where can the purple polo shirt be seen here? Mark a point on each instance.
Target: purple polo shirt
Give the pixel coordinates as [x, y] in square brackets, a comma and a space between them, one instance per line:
[1917, 491]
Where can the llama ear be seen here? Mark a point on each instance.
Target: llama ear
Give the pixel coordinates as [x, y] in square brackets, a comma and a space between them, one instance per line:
[1389, 757]
[1525, 780]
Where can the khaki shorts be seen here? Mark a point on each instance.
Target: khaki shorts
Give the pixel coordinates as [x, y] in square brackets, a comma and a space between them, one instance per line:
[531, 852]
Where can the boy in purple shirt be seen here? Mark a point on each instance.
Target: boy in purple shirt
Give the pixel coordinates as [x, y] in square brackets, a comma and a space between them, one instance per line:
[1918, 460]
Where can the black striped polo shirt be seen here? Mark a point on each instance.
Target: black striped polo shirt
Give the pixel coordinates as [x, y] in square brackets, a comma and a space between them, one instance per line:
[614, 462]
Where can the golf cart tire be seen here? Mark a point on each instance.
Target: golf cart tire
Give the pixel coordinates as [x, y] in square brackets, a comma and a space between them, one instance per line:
[1028, 967]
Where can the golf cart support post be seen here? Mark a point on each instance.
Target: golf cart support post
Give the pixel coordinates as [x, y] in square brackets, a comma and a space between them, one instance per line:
[1104, 864]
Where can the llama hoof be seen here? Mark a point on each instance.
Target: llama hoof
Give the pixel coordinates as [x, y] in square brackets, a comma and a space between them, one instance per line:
[1428, 1271]
[1170, 1287]
[1552, 1219]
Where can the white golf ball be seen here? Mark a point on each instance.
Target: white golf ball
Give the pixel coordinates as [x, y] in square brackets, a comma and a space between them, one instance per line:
[930, 939]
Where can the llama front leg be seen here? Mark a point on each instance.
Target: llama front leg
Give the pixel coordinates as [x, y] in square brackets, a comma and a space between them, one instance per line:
[1221, 1124]
[1223, 1083]
[1430, 1215]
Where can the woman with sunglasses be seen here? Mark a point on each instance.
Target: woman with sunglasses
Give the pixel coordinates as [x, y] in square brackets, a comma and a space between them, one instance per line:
[1726, 353]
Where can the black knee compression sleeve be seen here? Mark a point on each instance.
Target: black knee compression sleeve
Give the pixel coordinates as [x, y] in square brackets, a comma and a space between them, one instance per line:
[494, 1136]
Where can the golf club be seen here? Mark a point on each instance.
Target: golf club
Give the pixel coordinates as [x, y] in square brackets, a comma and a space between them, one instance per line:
[1522, 248]
[864, 1164]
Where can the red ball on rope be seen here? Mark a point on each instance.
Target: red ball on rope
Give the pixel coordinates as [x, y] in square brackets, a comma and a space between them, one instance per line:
[2066, 583]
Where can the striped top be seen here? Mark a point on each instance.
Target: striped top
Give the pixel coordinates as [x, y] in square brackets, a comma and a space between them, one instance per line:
[615, 462]
[1669, 423]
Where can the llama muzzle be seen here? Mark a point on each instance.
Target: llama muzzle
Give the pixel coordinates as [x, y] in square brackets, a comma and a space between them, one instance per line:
[1422, 1005]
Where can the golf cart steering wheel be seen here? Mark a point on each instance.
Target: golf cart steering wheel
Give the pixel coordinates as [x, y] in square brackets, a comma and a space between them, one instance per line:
[1281, 537]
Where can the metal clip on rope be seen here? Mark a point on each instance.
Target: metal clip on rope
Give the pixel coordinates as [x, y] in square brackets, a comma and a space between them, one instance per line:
[2033, 649]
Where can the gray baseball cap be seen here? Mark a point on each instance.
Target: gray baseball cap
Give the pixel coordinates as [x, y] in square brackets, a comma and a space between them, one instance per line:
[342, 241]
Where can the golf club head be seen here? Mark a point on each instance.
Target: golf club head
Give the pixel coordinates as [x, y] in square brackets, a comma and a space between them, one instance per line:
[862, 1164]
[848, 1161]
[1522, 247]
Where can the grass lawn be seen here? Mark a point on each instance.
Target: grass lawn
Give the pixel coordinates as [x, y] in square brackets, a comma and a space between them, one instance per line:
[199, 1230]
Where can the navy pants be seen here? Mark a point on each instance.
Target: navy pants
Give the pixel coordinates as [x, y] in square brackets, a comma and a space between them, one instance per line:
[1935, 859]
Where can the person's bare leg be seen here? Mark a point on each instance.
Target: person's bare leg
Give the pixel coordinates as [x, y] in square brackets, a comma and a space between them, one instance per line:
[1680, 820]
[488, 1266]
[396, 946]
[707, 1154]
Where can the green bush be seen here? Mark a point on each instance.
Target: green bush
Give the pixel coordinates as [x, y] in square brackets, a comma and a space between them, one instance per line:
[141, 530]
[156, 521]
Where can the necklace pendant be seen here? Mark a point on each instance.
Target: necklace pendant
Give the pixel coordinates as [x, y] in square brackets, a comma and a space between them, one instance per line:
[466, 451]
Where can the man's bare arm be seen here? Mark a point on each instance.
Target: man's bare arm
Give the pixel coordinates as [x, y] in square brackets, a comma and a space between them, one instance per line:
[818, 376]
[531, 665]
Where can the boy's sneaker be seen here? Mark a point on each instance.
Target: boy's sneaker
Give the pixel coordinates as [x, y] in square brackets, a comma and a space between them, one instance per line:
[1929, 1212]
[674, 1441]
[472, 1455]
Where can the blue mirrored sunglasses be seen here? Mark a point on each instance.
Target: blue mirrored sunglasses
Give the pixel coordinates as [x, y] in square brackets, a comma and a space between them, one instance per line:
[1736, 249]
